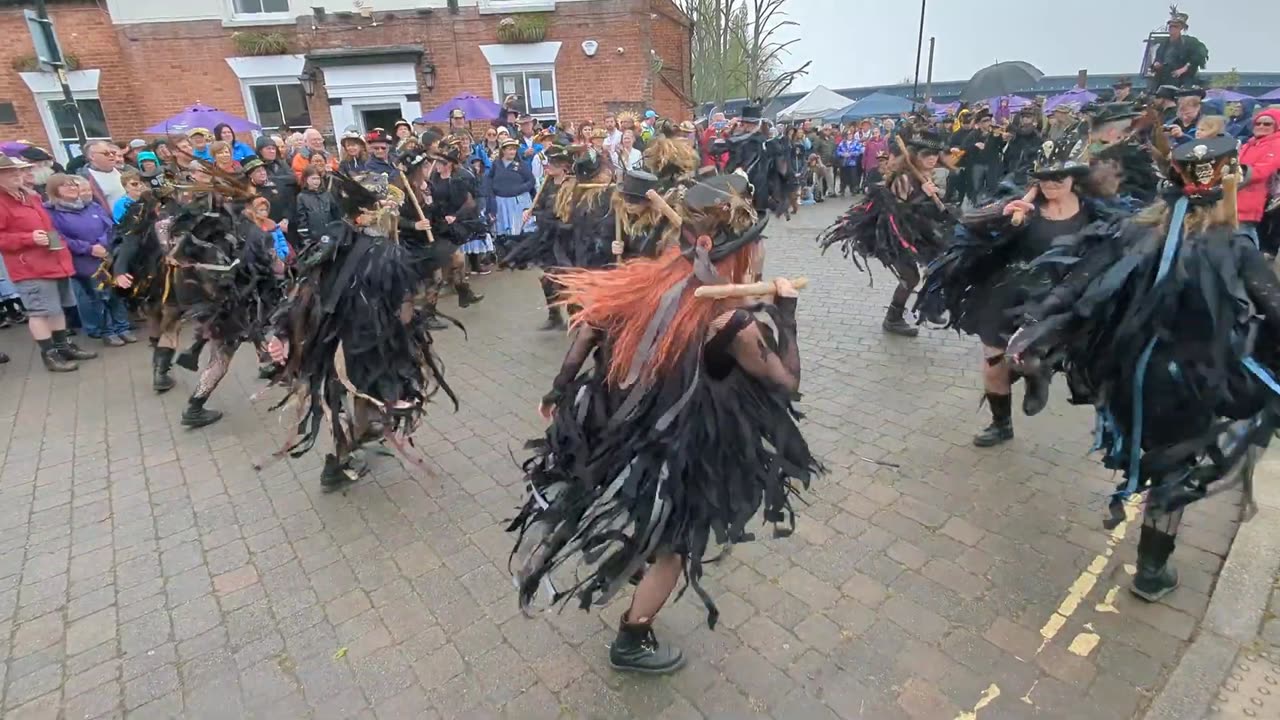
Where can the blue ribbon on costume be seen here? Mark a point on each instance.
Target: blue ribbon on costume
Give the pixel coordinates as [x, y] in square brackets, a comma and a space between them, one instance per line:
[1261, 373]
[1171, 243]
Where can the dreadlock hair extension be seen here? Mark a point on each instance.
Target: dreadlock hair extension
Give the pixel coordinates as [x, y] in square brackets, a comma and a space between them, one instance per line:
[622, 301]
[1199, 218]
[570, 196]
[640, 218]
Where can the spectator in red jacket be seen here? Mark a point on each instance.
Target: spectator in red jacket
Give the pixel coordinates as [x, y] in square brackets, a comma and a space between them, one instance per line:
[39, 265]
[1262, 156]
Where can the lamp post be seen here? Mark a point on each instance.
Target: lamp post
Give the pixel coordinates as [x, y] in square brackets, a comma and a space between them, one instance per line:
[915, 86]
[308, 82]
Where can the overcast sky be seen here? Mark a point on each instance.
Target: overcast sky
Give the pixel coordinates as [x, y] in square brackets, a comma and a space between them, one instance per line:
[873, 42]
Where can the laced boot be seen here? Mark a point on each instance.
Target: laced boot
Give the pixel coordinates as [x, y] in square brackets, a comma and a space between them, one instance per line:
[161, 362]
[1155, 577]
[894, 324]
[335, 474]
[197, 415]
[1001, 428]
[54, 361]
[68, 350]
[636, 649]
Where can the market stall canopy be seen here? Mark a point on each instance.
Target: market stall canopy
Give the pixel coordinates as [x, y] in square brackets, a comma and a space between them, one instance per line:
[1003, 78]
[474, 106]
[200, 116]
[1228, 95]
[874, 105]
[819, 103]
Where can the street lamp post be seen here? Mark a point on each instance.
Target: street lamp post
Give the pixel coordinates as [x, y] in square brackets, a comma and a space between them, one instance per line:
[915, 87]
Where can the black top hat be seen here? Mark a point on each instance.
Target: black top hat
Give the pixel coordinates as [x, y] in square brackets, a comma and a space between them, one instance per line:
[1167, 92]
[1178, 18]
[378, 135]
[983, 114]
[412, 160]
[1060, 158]
[1191, 92]
[1199, 166]
[35, 154]
[1111, 112]
[927, 140]
[714, 190]
[586, 161]
[635, 183]
[751, 114]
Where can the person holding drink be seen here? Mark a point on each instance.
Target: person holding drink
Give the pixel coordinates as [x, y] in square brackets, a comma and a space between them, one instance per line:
[39, 265]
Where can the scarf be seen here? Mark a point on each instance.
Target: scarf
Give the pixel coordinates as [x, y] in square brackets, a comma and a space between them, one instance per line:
[69, 205]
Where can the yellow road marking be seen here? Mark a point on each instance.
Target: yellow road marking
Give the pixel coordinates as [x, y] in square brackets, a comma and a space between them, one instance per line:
[988, 696]
[1027, 698]
[1084, 643]
[1108, 604]
[1085, 582]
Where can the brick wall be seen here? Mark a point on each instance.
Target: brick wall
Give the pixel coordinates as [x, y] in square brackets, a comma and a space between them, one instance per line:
[150, 71]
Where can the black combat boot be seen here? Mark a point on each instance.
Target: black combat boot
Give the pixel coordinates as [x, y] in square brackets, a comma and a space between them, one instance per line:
[636, 649]
[1001, 427]
[894, 323]
[335, 474]
[1155, 577]
[555, 320]
[197, 415]
[466, 296]
[68, 350]
[189, 359]
[55, 362]
[161, 362]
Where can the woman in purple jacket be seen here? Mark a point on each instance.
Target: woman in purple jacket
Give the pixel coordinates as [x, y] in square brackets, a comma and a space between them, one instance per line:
[86, 228]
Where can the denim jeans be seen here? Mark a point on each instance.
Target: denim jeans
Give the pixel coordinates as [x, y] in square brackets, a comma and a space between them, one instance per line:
[1250, 230]
[102, 313]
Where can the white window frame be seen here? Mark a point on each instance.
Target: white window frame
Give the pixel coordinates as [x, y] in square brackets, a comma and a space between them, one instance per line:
[524, 57]
[44, 87]
[498, 95]
[251, 107]
[265, 70]
[497, 7]
[235, 18]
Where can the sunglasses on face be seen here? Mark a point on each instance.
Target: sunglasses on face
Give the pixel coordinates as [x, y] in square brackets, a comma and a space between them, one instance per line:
[1265, 121]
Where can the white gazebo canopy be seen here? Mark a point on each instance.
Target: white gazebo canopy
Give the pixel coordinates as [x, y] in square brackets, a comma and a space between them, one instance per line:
[819, 103]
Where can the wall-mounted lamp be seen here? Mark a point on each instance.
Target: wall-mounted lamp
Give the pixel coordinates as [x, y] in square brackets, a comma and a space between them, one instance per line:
[308, 81]
[429, 76]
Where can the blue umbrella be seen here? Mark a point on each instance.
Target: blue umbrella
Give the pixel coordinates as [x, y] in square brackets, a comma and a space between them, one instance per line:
[200, 116]
[476, 108]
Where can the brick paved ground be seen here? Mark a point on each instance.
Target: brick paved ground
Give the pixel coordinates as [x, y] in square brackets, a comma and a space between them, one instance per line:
[151, 572]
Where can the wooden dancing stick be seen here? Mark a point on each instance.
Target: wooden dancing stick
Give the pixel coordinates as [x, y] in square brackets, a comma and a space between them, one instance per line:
[618, 245]
[534, 204]
[665, 208]
[720, 292]
[417, 206]
[917, 172]
[1020, 217]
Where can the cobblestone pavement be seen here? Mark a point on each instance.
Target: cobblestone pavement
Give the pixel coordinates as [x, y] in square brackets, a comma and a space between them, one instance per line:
[149, 571]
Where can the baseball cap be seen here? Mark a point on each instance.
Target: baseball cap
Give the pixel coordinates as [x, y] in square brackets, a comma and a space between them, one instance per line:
[650, 114]
[137, 144]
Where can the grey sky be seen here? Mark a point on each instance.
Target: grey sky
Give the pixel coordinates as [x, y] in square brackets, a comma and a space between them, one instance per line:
[863, 42]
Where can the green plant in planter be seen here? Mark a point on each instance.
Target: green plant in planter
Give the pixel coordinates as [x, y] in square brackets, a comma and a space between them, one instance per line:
[524, 29]
[261, 43]
[28, 63]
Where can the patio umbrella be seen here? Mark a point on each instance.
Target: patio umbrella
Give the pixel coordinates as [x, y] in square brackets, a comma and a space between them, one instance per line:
[1003, 78]
[943, 109]
[1273, 95]
[1004, 106]
[1074, 99]
[200, 116]
[1227, 95]
[476, 108]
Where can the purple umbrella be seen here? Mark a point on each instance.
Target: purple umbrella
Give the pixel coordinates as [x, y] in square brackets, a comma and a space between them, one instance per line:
[1075, 99]
[1227, 95]
[13, 148]
[1014, 104]
[943, 109]
[200, 116]
[476, 108]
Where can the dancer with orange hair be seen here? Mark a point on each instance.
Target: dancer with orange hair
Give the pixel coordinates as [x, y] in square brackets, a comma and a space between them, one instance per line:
[679, 433]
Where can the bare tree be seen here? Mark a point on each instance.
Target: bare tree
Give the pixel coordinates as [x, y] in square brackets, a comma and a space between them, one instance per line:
[735, 53]
[766, 78]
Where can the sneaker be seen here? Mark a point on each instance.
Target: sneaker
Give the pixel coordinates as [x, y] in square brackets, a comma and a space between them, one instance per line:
[128, 337]
[113, 341]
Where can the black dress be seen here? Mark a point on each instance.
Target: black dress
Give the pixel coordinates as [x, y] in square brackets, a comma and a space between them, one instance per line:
[664, 465]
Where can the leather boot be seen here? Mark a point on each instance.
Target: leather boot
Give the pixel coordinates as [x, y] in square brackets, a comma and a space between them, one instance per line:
[161, 362]
[1001, 428]
[55, 362]
[189, 359]
[1036, 395]
[636, 649]
[197, 415]
[894, 323]
[1155, 577]
[68, 350]
[335, 474]
[466, 296]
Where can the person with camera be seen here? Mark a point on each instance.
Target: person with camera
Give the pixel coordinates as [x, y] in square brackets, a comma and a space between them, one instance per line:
[39, 265]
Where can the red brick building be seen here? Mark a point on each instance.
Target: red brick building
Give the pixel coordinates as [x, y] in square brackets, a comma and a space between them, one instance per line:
[330, 65]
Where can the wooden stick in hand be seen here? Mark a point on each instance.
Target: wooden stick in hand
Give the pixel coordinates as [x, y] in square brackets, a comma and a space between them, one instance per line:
[1020, 217]
[720, 292]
